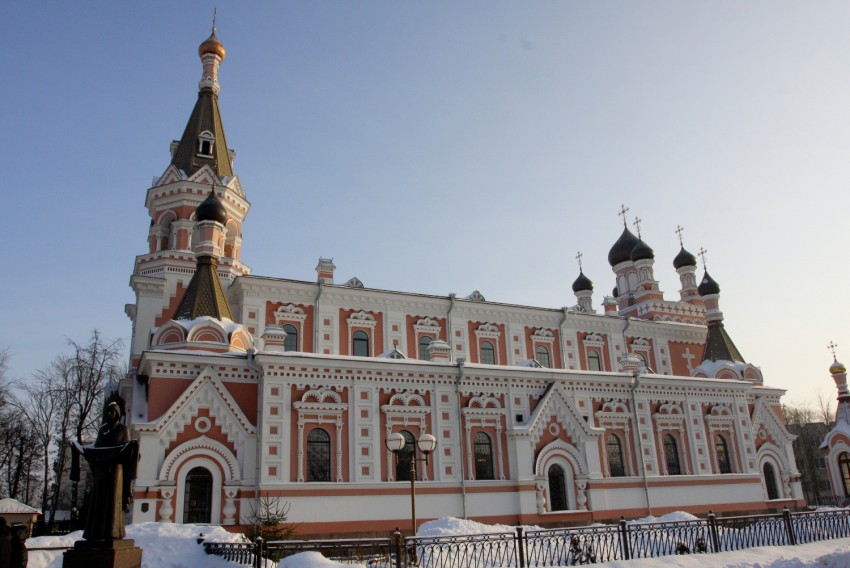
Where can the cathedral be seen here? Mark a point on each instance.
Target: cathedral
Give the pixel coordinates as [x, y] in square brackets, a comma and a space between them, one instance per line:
[328, 396]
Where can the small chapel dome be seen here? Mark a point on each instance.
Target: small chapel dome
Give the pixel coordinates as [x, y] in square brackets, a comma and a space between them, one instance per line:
[582, 283]
[212, 45]
[211, 209]
[622, 249]
[642, 251]
[684, 258]
[708, 286]
[837, 367]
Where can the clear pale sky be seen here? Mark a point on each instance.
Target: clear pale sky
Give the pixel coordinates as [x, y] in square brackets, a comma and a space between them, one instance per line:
[442, 147]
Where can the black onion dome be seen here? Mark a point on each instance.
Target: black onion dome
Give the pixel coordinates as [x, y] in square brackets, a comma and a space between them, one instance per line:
[684, 258]
[582, 283]
[211, 209]
[642, 251]
[708, 286]
[622, 249]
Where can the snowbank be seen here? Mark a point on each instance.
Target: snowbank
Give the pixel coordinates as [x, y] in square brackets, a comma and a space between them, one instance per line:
[164, 545]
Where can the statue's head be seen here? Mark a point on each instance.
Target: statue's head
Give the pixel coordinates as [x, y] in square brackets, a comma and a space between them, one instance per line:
[112, 413]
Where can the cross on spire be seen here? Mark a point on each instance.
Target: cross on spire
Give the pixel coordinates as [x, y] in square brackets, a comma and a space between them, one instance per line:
[832, 346]
[637, 225]
[679, 230]
[215, 13]
[702, 252]
[622, 213]
[578, 258]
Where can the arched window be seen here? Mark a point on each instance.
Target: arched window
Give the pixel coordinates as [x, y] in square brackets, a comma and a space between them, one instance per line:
[844, 469]
[402, 464]
[318, 455]
[557, 489]
[424, 343]
[291, 341]
[488, 353]
[361, 344]
[671, 455]
[197, 496]
[721, 448]
[483, 456]
[594, 362]
[770, 481]
[616, 464]
[542, 356]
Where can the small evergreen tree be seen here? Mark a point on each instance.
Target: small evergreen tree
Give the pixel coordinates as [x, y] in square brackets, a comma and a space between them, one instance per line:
[267, 519]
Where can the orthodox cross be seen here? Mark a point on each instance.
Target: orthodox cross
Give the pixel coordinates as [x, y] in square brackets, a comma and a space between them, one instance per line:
[637, 225]
[688, 356]
[622, 213]
[679, 230]
[578, 258]
[832, 346]
[215, 12]
[702, 252]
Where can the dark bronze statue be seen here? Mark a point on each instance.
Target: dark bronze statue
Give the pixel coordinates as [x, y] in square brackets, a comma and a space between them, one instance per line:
[112, 460]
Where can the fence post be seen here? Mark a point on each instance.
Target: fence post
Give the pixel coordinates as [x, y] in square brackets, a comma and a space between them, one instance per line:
[712, 531]
[520, 542]
[398, 540]
[789, 528]
[258, 552]
[625, 546]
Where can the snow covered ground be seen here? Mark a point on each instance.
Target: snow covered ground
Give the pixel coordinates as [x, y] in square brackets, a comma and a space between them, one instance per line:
[176, 546]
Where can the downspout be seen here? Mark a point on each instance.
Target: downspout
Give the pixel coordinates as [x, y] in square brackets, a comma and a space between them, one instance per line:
[252, 364]
[563, 341]
[449, 325]
[634, 385]
[321, 287]
[460, 363]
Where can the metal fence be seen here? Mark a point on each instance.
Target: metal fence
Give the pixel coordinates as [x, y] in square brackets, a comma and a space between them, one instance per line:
[560, 547]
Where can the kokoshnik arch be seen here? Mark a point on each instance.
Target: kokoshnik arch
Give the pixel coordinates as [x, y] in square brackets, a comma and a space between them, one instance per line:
[245, 386]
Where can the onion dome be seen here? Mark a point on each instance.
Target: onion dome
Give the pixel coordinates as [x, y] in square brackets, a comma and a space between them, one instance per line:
[642, 251]
[622, 249]
[837, 367]
[582, 283]
[708, 286]
[684, 258]
[211, 209]
[212, 45]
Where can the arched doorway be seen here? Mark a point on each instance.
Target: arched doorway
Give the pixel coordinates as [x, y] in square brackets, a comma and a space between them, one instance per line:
[770, 481]
[557, 489]
[197, 504]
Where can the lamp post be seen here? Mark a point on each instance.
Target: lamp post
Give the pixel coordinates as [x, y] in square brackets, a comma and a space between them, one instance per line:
[427, 443]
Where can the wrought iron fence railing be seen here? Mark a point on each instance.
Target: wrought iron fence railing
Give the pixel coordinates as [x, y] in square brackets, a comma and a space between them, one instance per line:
[560, 547]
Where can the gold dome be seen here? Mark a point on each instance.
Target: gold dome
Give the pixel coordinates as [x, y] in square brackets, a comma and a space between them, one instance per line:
[837, 367]
[212, 45]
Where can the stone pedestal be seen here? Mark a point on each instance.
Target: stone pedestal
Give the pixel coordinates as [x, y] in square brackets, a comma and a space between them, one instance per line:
[115, 554]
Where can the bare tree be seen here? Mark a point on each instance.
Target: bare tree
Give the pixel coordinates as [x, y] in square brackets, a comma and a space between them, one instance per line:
[808, 424]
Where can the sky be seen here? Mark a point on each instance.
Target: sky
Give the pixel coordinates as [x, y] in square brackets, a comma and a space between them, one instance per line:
[442, 147]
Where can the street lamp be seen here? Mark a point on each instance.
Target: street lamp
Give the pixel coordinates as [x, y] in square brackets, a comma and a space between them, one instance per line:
[427, 443]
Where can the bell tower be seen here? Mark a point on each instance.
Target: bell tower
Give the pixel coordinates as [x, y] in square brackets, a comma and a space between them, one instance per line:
[201, 165]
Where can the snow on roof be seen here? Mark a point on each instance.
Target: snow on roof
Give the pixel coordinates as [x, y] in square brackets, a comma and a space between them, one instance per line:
[12, 506]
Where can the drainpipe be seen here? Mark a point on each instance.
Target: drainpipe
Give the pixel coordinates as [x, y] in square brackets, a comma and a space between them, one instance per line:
[449, 325]
[634, 385]
[316, 320]
[460, 363]
[252, 364]
[562, 340]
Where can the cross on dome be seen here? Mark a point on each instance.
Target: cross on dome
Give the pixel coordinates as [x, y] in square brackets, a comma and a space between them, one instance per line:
[832, 347]
[622, 213]
[679, 230]
[702, 252]
[578, 258]
[637, 223]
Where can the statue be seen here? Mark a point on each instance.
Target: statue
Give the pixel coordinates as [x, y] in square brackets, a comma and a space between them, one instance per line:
[112, 460]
